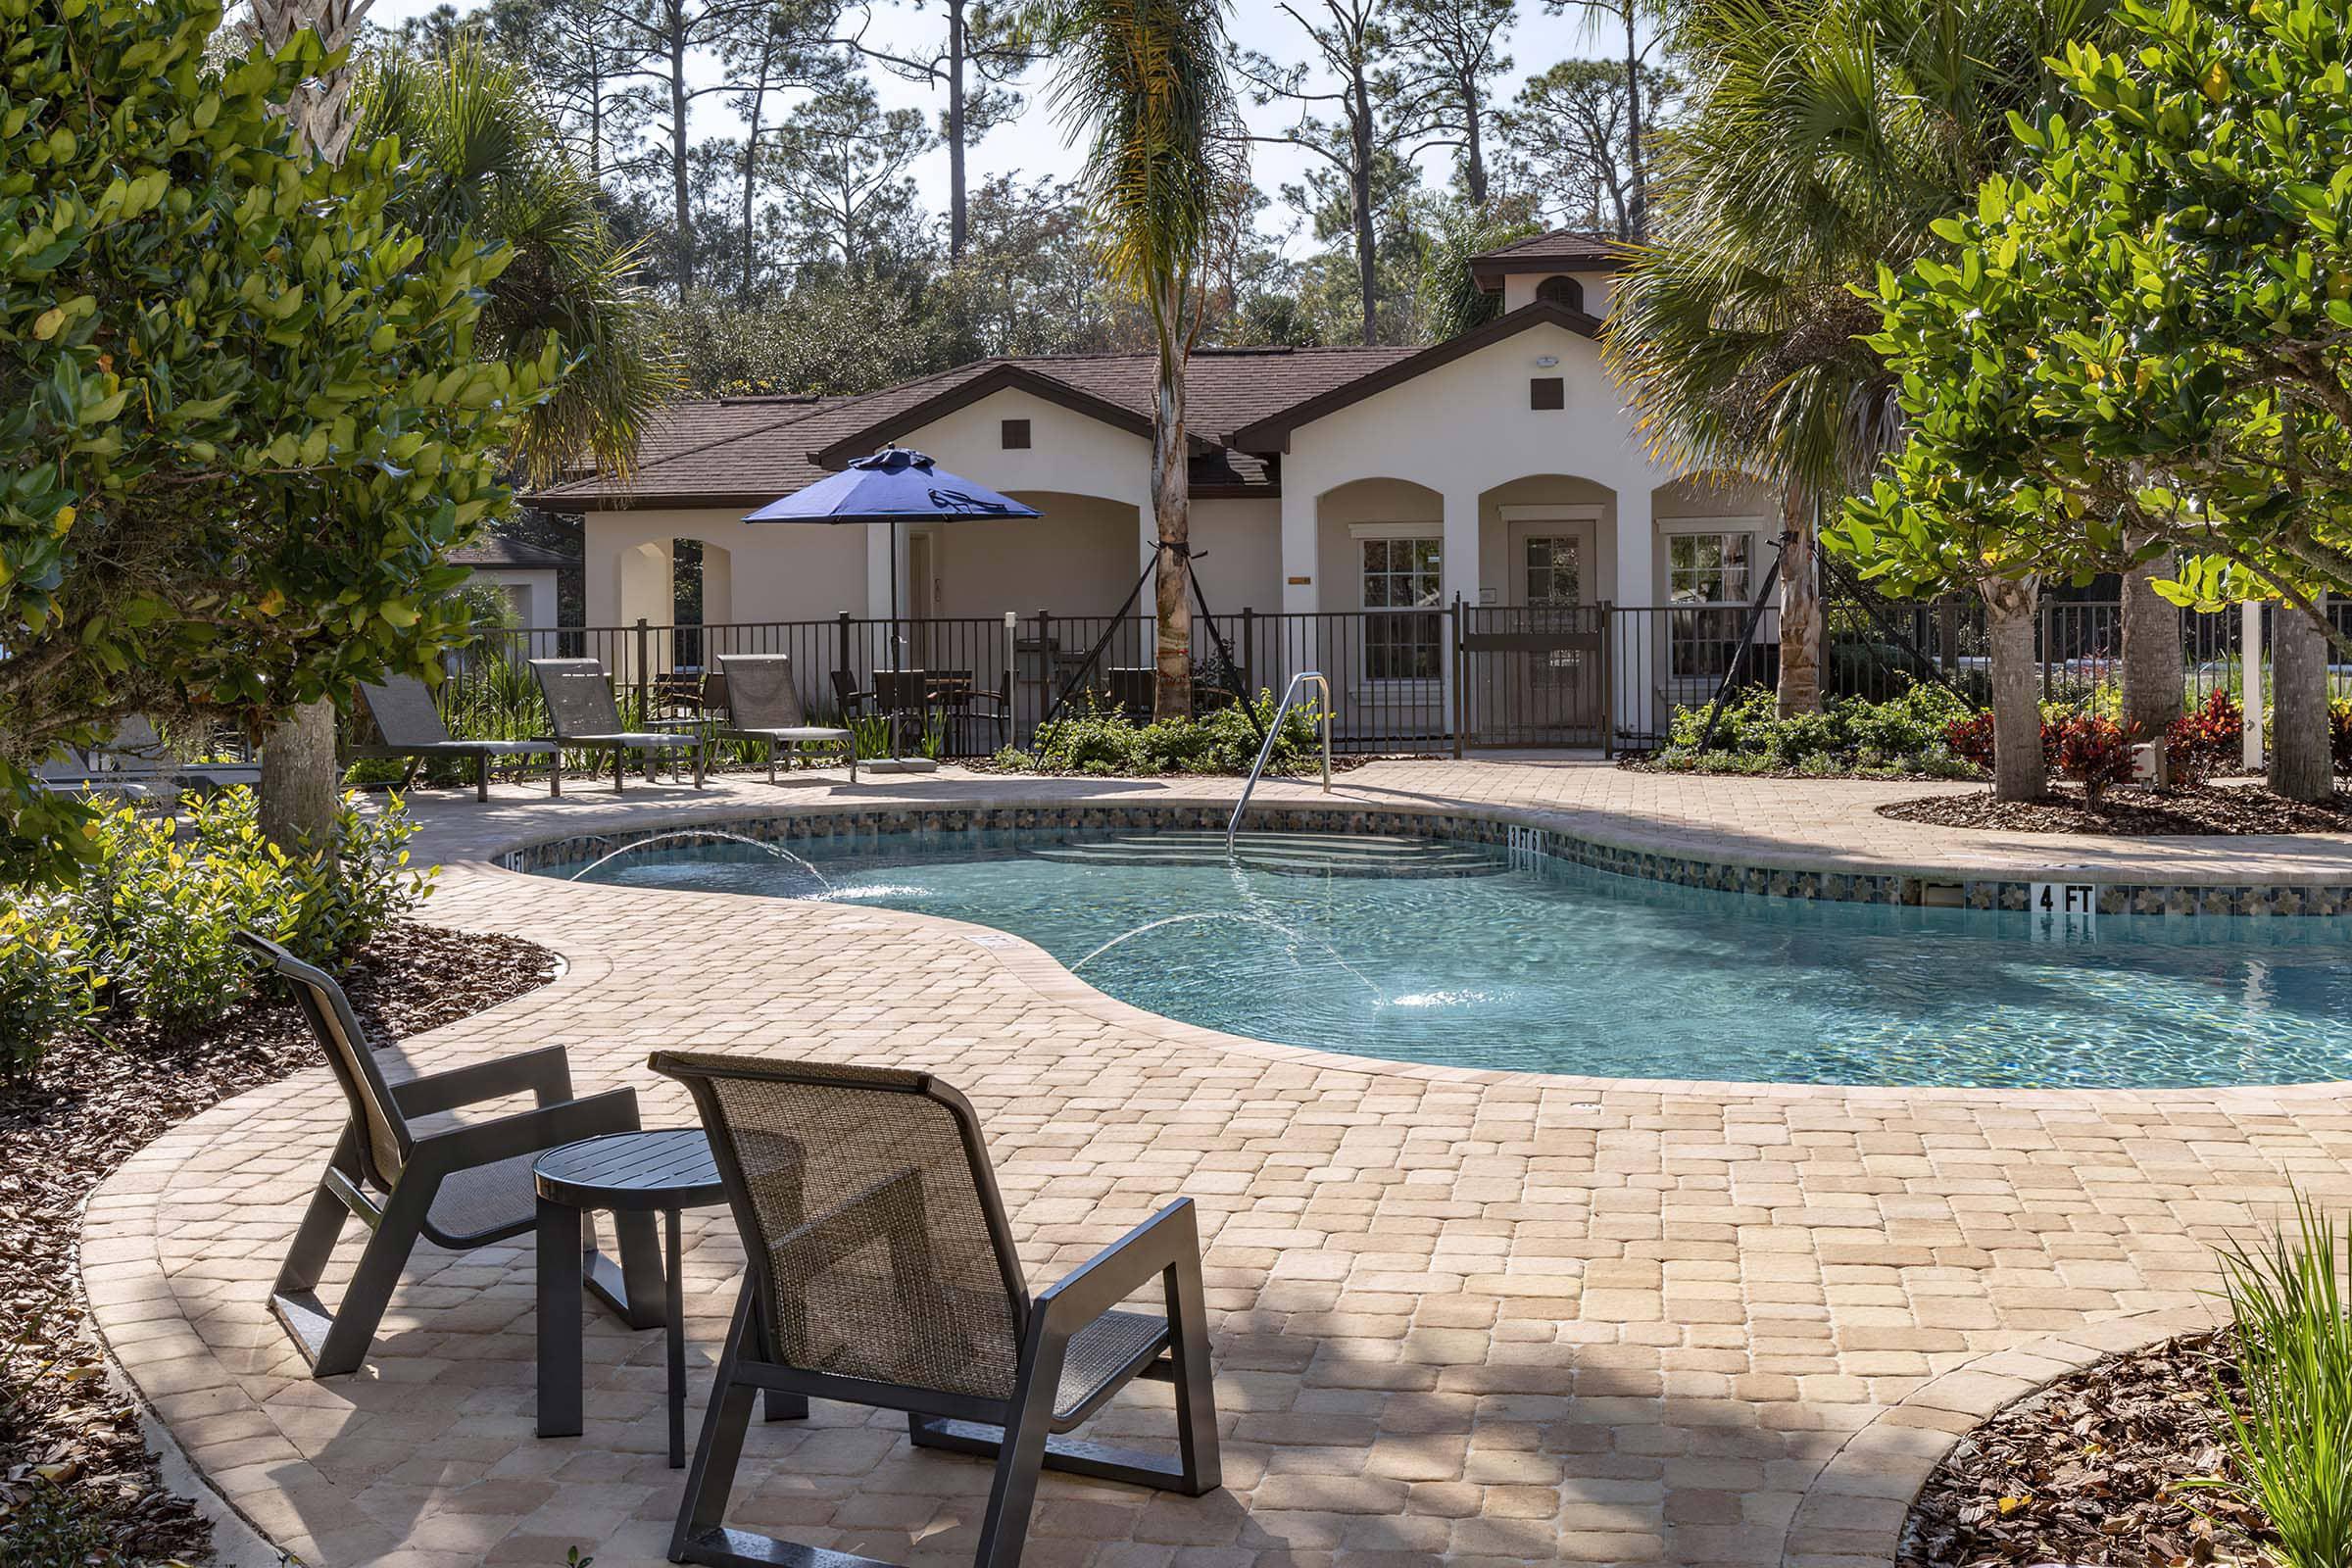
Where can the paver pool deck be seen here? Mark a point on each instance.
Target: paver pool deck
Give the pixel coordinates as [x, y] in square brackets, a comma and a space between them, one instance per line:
[1475, 1318]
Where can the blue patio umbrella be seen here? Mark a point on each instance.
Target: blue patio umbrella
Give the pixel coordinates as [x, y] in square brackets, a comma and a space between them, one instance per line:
[894, 485]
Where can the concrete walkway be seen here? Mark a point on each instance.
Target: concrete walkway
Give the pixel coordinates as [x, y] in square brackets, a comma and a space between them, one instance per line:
[1462, 1317]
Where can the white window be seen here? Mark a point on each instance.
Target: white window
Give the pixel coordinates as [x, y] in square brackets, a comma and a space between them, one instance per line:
[1707, 568]
[1401, 574]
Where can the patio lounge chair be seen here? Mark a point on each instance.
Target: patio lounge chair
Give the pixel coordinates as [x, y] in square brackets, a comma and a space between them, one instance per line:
[412, 729]
[74, 776]
[763, 704]
[135, 754]
[461, 1187]
[581, 706]
[882, 1272]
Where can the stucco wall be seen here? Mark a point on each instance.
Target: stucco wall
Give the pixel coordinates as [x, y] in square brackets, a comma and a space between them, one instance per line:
[1600, 290]
[773, 571]
[1078, 558]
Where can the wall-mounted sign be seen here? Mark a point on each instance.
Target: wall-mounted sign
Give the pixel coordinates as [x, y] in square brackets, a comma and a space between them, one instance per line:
[2064, 909]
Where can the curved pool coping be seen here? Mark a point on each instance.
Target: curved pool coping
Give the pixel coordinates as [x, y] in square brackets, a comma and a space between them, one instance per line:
[1054, 980]
[1859, 1503]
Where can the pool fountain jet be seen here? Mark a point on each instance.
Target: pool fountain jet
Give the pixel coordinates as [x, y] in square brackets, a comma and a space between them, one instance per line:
[775, 850]
[1245, 918]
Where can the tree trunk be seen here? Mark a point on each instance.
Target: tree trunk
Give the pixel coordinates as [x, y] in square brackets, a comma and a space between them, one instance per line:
[1171, 511]
[2300, 766]
[751, 167]
[1800, 607]
[1359, 193]
[2018, 773]
[2155, 678]
[298, 777]
[297, 805]
[958, 218]
[682, 202]
[1474, 152]
[1639, 220]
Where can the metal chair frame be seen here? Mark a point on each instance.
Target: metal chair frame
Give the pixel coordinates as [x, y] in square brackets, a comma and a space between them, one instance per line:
[1023, 1434]
[396, 1203]
[557, 676]
[720, 693]
[401, 698]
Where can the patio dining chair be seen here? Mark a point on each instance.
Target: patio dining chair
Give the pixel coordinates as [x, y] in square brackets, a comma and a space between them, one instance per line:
[582, 713]
[956, 692]
[460, 1187]
[412, 729]
[882, 1273]
[761, 703]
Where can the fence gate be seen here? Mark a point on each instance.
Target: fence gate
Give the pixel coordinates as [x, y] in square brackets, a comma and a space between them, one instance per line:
[1532, 677]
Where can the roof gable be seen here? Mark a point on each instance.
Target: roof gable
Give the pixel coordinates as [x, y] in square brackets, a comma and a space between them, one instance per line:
[1272, 434]
[1562, 250]
[1000, 377]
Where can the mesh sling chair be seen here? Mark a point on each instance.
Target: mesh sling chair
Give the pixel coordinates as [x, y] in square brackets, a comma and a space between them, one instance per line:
[581, 710]
[763, 704]
[460, 1187]
[882, 1272]
[413, 730]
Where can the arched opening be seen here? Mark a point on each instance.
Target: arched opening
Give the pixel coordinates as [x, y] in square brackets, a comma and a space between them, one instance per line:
[1561, 291]
[1381, 549]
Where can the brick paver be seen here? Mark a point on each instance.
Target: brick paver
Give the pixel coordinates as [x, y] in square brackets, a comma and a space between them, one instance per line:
[1462, 1317]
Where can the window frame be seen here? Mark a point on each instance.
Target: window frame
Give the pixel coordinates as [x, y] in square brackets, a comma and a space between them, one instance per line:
[1410, 534]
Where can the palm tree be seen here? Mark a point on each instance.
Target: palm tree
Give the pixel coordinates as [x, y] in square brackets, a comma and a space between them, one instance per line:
[1822, 139]
[1144, 82]
[297, 805]
[487, 160]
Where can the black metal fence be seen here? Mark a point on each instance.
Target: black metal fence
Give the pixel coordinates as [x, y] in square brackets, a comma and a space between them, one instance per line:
[1443, 679]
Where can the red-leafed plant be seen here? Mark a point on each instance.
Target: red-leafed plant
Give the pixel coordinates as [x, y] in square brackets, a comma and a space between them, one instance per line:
[1971, 739]
[2203, 741]
[2095, 753]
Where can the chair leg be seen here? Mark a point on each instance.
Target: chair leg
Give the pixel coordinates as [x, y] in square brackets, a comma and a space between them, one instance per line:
[347, 1340]
[1195, 1392]
[620, 768]
[554, 775]
[482, 776]
[719, 1449]
[1005, 1529]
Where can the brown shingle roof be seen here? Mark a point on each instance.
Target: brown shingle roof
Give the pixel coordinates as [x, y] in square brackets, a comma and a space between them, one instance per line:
[1562, 250]
[749, 459]
[494, 550]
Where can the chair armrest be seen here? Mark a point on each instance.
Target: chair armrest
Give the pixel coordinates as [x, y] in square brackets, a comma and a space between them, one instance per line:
[546, 1073]
[529, 1132]
[1168, 1238]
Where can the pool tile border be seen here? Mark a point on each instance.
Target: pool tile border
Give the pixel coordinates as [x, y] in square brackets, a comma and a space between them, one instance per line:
[1506, 830]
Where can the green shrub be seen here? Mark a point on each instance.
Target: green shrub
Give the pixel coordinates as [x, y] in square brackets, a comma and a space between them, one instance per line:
[2292, 1426]
[1104, 740]
[164, 899]
[47, 982]
[1905, 734]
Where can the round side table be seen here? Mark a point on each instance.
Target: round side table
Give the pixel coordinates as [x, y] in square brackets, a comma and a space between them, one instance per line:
[665, 1171]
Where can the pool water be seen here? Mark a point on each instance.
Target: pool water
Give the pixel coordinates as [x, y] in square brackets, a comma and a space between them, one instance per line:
[1434, 952]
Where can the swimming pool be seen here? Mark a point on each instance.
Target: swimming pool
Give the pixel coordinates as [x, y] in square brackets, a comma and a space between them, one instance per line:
[1436, 951]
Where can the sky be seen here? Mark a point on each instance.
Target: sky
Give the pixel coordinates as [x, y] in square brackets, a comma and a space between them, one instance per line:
[1033, 144]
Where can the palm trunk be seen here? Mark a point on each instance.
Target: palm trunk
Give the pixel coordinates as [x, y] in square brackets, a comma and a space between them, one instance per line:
[2300, 766]
[1800, 607]
[2155, 678]
[2018, 773]
[297, 805]
[1171, 511]
[956, 215]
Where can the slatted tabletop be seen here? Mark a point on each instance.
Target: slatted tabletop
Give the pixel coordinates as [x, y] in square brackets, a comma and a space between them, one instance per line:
[667, 1168]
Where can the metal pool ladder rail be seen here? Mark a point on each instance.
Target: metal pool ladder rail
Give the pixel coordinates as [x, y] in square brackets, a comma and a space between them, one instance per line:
[1265, 751]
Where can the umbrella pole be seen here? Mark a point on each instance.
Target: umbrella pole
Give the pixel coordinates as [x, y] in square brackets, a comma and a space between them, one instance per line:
[898, 659]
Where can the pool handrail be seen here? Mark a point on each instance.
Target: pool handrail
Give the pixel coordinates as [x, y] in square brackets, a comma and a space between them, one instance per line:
[1265, 750]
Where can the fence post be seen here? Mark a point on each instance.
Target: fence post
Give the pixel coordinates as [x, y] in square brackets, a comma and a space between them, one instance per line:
[644, 653]
[1608, 681]
[1044, 667]
[2041, 652]
[848, 660]
[1249, 653]
[1461, 671]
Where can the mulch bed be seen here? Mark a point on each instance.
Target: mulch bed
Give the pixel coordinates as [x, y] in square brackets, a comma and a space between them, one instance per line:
[2126, 813]
[2094, 1470]
[77, 1481]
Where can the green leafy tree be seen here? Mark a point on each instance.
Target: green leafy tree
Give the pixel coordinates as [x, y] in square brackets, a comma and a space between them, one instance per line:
[245, 423]
[1822, 139]
[1145, 81]
[2142, 342]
